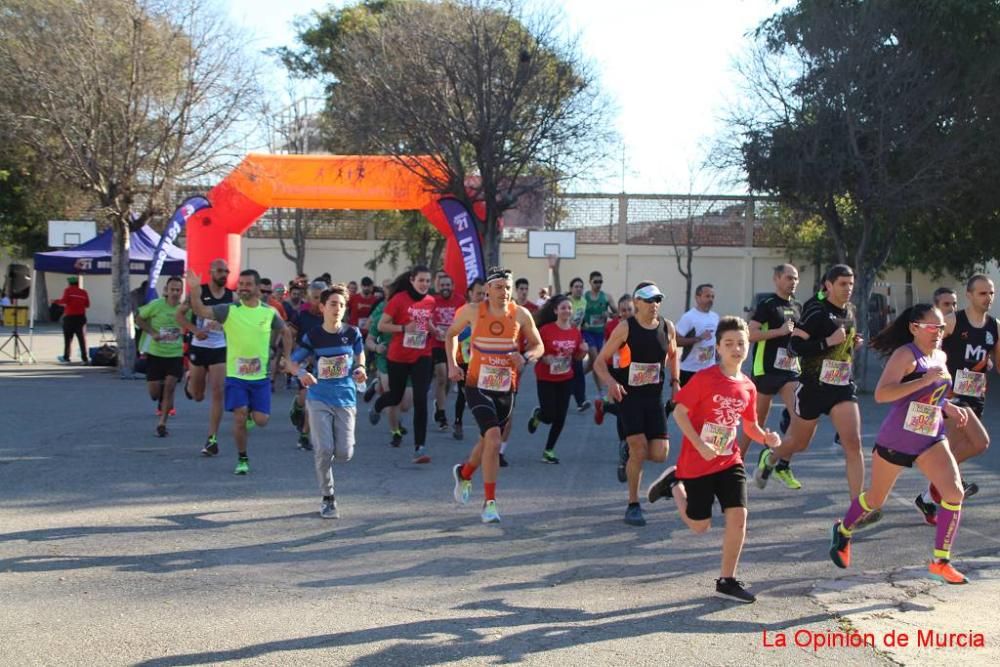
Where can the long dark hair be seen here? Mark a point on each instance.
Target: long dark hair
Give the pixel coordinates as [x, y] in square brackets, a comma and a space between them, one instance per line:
[897, 333]
[402, 282]
[547, 313]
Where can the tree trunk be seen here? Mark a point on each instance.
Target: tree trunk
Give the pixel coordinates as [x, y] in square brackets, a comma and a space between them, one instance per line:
[491, 251]
[41, 298]
[909, 286]
[864, 282]
[120, 244]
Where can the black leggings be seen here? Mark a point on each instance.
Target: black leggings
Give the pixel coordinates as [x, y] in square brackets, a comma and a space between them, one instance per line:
[460, 399]
[75, 325]
[579, 382]
[419, 373]
[553, 399]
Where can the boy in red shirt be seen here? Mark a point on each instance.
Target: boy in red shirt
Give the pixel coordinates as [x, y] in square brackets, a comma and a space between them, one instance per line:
[708, 411]
[75, 301]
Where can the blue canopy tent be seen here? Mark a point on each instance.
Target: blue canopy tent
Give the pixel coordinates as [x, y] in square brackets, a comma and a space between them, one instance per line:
[94, 258]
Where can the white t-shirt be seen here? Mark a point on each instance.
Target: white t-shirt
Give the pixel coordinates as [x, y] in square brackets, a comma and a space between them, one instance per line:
[702, 354]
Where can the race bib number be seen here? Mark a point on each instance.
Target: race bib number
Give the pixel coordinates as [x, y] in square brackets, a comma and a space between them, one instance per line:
[640, 374]
[248, 365]
[415, 340]
[363, 323]
[560, 365]
[212, 325]
[334, 368]
[169, 334]
[597, 321]
[705, 355]
[970, 383]
[785, 362]
[835, 372]
[718, 437]
[922, 418]
[494, 378]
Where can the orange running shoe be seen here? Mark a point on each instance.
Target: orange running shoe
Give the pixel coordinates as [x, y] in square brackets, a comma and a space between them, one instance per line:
[942, 570]
[840, 547]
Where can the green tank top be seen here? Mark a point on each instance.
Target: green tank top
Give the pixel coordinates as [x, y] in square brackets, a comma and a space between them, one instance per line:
[248, 341]
[595, 314]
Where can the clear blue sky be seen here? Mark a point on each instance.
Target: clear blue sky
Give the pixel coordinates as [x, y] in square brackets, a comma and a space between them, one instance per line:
[666, 64]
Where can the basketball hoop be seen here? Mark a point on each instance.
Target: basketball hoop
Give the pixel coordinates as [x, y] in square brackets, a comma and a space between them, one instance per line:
[553, 260]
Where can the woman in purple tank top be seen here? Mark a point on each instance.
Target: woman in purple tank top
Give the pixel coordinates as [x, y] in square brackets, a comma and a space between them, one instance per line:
[915, 381]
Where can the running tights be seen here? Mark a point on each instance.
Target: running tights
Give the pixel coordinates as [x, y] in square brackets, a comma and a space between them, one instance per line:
[579, 382]
[419, 373]
[553, 399]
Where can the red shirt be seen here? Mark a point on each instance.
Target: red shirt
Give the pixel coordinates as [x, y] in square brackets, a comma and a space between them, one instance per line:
[74, 300]
[529, 306]
[610, 326]
[408, 347]
[721, 402]
[359, 308]
[562, 343]
[444, 314]
[276, 304]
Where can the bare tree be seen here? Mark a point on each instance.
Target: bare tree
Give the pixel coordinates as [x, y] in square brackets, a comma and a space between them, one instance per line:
[126, 99]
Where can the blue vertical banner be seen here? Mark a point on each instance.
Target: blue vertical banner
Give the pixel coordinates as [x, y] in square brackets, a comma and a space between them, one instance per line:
[180, 217]
[463, 226]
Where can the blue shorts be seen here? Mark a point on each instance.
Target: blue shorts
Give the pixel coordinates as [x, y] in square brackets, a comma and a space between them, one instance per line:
[253, 394]
[593, 339]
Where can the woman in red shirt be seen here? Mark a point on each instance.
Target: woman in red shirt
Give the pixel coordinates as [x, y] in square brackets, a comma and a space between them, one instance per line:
[563, 345]
[408, 316]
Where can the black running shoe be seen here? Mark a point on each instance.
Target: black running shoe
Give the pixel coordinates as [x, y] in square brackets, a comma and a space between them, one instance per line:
[211, 447]
[869, 519]
[970, 488]
[397, 439]
[534, 420]
[663, 486]
[928, 510]
[187, 392]
[161, 430]
[730, 589]
[304, 443]
[503, 461]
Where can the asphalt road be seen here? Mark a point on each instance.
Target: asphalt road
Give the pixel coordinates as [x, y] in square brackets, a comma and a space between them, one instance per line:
[117, 547]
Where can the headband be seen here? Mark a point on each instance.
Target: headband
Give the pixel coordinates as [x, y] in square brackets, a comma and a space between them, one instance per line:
[497, 273]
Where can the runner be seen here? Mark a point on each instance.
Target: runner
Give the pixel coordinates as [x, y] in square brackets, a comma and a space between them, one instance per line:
[652, 343]
[491, 380]
[446, 304]
[708, 411]
[915, 382]
[597, 307]
[207, 351]
[309, 317]
[825, 340]
[338, 353]
[775, 371]
[249, 327]
[521, 289]
[378, 343]
[579, 374]
[361, 304]
[626, 309]
[946, 300]
[554, 372]
[165, 360]
[696, 333]
[475, 294]
[410, 313]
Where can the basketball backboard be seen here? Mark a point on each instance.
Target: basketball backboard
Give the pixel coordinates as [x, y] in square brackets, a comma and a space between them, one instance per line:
[543, 244]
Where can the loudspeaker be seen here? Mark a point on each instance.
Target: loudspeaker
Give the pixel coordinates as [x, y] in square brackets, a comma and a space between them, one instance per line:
[18, 281]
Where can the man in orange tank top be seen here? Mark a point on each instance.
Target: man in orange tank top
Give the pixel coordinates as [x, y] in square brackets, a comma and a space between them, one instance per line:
[491, 380]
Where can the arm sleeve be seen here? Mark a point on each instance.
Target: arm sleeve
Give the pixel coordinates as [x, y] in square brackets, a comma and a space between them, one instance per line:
[220, 312]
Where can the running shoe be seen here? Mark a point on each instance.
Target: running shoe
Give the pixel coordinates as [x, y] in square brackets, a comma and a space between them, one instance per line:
[840, 547]
[622, 462]
[927, 510]
[463, 487]
[304, 443]
[786, 476]
[970, 488]
[490, 513]
[250, 423]
[441, 419]
[370, 390]
[161, 430]
[786, 421]
[159, 411]
[297, 415]
[599, 411]
[402, 429]
[456, 431]
[549, 456]
[420, 455]
[764, 468]
[942, 570]
[583, 407]
[374, 416]
[397, 439]
[242, 467]
[62, 360]
[663, 486]
[503, 461]
[187, 392]
[211, 447]
[172, 412]
[730, 589]
[869, 519]
[534, 420]
[328, 509]
[633, 516]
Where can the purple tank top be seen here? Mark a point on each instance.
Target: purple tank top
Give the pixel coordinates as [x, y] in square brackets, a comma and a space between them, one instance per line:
[913, 424]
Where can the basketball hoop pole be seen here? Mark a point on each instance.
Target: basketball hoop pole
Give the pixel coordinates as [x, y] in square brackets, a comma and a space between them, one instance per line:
[553, 260]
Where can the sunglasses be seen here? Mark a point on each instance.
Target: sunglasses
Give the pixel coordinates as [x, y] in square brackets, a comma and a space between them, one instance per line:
[655, 299]
[929, 325]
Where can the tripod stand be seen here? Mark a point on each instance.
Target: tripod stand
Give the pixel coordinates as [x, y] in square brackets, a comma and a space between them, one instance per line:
[20, 352]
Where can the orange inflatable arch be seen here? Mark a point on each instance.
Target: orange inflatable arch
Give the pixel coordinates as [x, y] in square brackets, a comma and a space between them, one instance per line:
[358, 182]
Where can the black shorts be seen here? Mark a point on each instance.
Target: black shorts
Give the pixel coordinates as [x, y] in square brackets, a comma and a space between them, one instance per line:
[158, 368]
[685, 376]
[976, 404]
[811, 401]
[643, 415]
[903, 459]
[491, 409]
[729, 486]
[206, 356]
[438, 356]
[771, 383]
